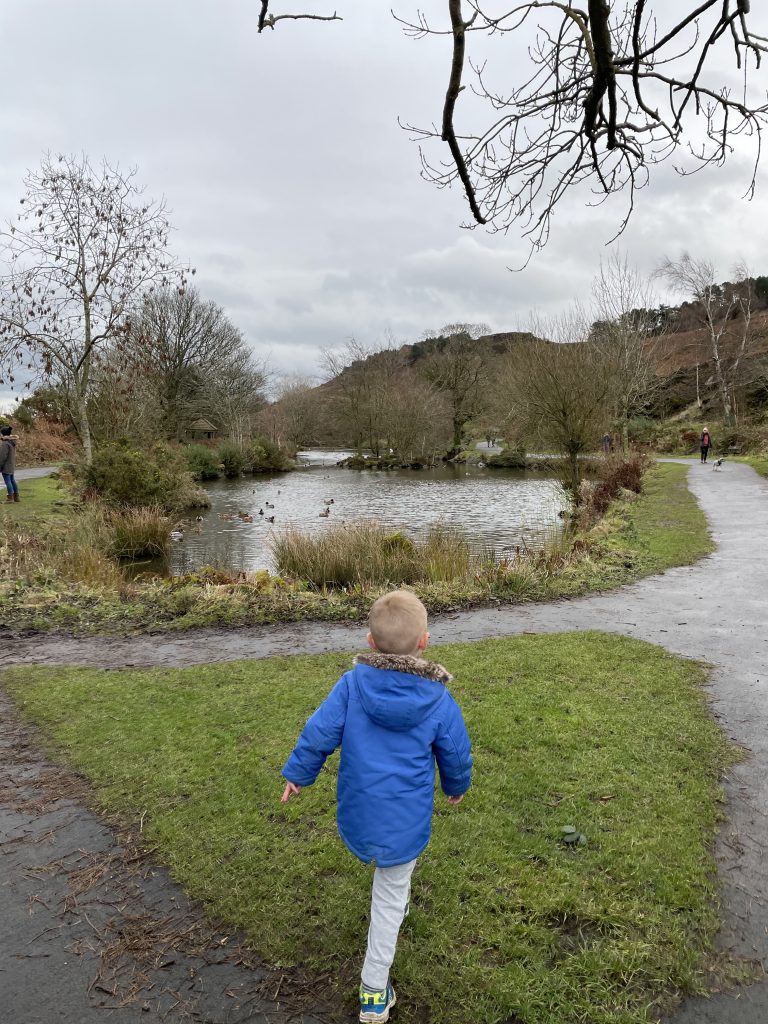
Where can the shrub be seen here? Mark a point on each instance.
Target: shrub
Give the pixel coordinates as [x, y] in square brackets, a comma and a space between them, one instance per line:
[616, 474]
[232, 458]
[642, 430]
[510, 458]
[202, 463]
[263, 455]
[123, 475]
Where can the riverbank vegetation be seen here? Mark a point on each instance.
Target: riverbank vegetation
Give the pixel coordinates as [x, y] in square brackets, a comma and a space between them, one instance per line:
[42, 588]
[610, 929]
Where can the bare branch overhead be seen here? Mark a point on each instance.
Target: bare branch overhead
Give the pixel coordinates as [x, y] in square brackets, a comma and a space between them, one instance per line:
[605, 92]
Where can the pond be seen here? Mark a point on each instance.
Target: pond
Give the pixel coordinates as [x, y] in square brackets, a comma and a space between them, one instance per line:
[497, 509]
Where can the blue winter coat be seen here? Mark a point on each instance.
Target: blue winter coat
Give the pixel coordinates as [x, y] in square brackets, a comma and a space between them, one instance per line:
[393, 718]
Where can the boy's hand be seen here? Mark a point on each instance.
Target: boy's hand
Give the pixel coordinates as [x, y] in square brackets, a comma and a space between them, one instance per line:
[455, 799]
[291, 789]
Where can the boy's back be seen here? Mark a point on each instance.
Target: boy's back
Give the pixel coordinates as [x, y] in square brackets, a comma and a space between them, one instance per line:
[393, 719]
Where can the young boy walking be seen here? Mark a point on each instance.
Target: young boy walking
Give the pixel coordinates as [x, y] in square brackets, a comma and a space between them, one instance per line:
[393, 718]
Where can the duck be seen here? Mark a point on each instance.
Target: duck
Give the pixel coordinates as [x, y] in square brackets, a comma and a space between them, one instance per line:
[199, 519]
[268, 504]
[324, 515]
[177, 535]
[244, 517]
[226, 515]
[269, 519]
[261, 511]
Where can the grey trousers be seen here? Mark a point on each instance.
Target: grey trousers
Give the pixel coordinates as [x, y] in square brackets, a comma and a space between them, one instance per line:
[389, 900]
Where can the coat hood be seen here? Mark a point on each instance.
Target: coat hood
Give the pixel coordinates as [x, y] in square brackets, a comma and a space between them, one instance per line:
[398, 691]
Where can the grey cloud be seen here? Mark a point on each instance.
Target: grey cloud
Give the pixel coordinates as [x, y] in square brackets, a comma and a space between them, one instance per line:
[291, 187]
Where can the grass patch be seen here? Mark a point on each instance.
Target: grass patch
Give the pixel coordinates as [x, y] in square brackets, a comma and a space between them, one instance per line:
[42, 498]
[758, 462]
[609, 735]
[666, 527]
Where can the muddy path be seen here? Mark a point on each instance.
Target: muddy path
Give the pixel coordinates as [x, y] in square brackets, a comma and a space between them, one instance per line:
[716, 610]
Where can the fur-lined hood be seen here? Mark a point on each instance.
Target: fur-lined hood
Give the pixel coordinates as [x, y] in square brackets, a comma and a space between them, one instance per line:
[406, 663]
[399, 691]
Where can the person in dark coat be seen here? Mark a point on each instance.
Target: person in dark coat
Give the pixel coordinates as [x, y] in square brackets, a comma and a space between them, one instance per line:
[706, 443]
[8, 462]
[394, 719]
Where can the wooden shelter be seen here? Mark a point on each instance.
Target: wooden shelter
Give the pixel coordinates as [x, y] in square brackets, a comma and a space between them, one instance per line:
[202, 430]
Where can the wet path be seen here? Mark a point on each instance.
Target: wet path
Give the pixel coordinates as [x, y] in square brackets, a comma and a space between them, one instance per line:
[716, 610]
[34, 472]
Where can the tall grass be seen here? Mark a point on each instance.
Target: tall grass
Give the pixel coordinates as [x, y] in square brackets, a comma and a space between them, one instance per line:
[369, 553]
[87, 549]
[139, 532]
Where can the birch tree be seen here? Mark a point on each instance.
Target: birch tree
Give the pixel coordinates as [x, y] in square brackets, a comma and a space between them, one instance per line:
[725, 313]
[623, 335]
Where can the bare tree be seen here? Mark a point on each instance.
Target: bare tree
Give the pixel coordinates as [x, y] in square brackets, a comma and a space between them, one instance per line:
[604, 92]
[360, 379]
[293, 419]
[417, 422]
[623, 335]
[197, 360]
[457, 369]
[85, 245]
[725, 312]
[562, 397]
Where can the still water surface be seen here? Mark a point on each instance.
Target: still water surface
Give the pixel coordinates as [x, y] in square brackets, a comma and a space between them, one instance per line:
[498, 509]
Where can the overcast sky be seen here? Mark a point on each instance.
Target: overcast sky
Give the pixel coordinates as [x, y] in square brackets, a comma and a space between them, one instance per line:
[292, 189]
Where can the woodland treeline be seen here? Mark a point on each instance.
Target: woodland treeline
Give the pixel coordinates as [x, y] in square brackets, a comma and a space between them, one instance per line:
[560, 386]
[96, 310]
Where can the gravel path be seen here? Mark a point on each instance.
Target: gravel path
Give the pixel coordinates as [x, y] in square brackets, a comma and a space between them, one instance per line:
[34, 472]
[716, 610]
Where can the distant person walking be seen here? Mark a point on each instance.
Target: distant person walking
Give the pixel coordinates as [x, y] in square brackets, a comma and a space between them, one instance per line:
[607, 444]
[706, 443]
[8, 462]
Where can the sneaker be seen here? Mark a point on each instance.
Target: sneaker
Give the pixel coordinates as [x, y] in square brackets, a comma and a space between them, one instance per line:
[375, 1006]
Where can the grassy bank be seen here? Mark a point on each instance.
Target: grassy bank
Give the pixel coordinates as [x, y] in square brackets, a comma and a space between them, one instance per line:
[43, 500]
[757, 462]
[608, 735]
[662, 528]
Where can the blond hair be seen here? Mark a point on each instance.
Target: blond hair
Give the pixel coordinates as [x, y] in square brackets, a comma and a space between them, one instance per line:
[397, 622]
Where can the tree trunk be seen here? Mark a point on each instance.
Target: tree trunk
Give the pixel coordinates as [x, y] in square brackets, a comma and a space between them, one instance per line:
[458, 429]
[722, 386]
[83, 426]
[572, 476]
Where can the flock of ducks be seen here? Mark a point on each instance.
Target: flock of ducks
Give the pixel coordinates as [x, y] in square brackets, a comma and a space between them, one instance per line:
[177, 533]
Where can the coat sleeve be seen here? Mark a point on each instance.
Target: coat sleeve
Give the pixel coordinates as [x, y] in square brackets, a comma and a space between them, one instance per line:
[319, 737]
[4, 451]
[453, 750]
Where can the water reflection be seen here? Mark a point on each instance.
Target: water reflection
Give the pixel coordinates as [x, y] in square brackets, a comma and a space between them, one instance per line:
[497, 508]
